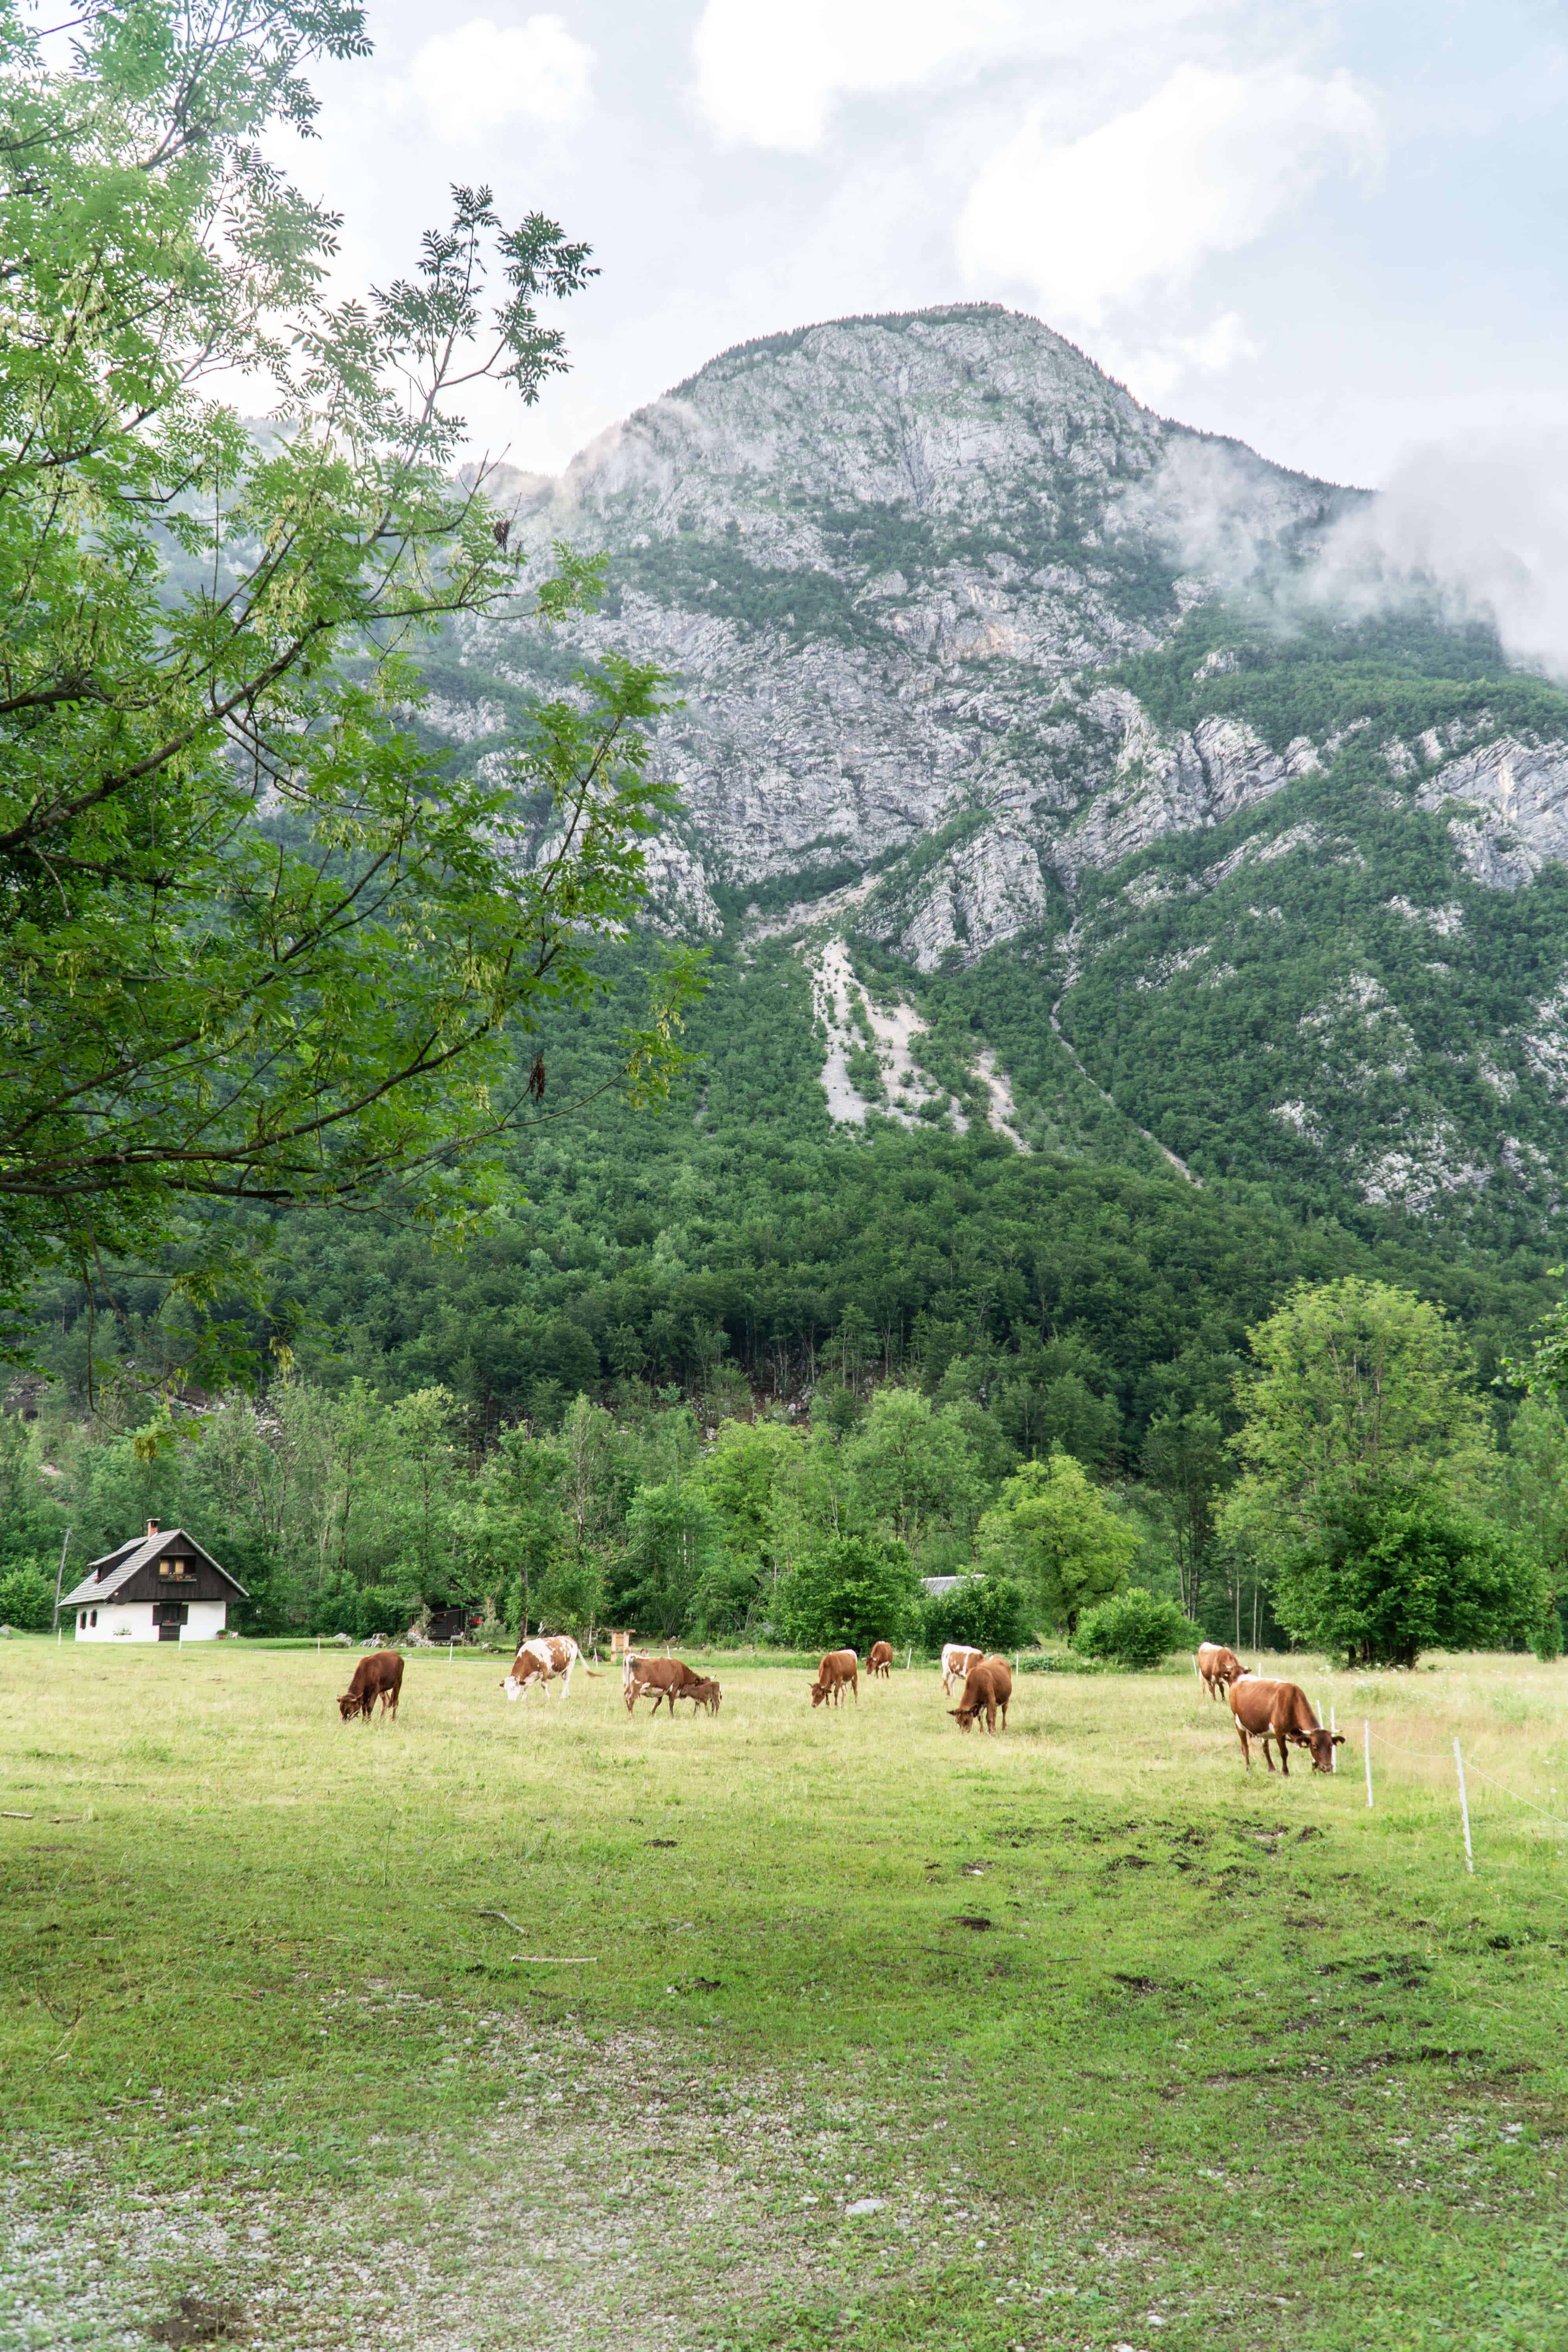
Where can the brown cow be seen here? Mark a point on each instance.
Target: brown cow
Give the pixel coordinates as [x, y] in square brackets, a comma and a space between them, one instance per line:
[705, 1692]
[667, 1678]
[1281, 1712]
[838, 1670]
[880, 1661]
[379, 1676]
[1218, 1667]
[986, 1687]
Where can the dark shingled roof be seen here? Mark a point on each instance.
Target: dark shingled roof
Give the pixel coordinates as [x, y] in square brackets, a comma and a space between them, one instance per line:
[105, 1577]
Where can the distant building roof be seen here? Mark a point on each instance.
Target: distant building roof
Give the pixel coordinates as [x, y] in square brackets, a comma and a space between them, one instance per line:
[105, 1577]
[934, 1584]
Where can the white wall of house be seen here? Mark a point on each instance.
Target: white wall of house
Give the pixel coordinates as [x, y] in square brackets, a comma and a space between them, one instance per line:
[118, 1619]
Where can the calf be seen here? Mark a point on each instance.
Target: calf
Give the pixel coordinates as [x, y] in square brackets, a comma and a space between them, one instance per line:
[840, 1670]
[667, 1678]
[957, 1658]
[1218, 1667]
[880, 1661]
[705, 1692]
[376, 1678]
[540, 1661]
[987, 1687]
[1281, 1712]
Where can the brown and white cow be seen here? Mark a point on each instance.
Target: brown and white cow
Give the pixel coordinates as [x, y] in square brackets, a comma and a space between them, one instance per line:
[540, 1660]
[839, 1672]
[1218, 1667]
[957, 1657]
[379, 1676]
[667, 1678]
[1283, 1713]
[987, 1688]
[880, 1661]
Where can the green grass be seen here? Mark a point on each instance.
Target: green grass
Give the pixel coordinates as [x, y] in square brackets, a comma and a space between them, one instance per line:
[1234, 2055]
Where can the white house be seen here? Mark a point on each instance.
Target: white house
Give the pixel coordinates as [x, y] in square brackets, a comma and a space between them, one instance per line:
[160, 1587]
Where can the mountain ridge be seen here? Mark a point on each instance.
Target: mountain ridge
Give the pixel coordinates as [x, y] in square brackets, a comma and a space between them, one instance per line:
[964, 629]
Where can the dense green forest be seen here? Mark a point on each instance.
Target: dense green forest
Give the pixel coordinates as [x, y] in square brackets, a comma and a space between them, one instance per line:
[705, 1344]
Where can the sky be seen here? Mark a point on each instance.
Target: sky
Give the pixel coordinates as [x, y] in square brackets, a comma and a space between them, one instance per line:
[1335, 232]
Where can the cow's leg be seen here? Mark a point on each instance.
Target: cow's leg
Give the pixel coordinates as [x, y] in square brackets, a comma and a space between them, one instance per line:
[1246, 1744]
[1004, 1715]
[1284, 1754]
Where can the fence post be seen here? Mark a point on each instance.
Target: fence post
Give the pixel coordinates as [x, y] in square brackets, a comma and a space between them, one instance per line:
[910, 1657]
[1366, 1743]
[59, 1580]
[1464, 1810]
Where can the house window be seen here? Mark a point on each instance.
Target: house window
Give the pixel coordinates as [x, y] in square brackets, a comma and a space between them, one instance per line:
[81, 1621]
[95, 1616]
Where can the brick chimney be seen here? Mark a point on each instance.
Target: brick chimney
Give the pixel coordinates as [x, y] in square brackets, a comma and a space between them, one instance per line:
[151, 1527]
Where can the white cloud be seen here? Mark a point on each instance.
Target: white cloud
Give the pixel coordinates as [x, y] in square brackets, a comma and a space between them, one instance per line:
[769, 74]
[473, 81]
[1151, 369]
[1202, 167]
[1485, 527]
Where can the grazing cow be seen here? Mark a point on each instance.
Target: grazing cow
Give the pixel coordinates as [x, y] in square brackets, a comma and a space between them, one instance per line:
[987, 1687]
[540, 1661]
[378, 1677]
[957, 1658]
[840, 1670]
[1281, 1712]
[880, 1661]
[667, 1678]
[1218, 1667]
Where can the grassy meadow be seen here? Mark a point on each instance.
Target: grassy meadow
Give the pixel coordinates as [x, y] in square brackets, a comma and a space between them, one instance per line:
[867, 2033]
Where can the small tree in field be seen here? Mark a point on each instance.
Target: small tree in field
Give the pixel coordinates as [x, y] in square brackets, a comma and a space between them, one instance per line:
[851, 1591]
[1369, 1456]
[1054, 1532]
[1389, 1571]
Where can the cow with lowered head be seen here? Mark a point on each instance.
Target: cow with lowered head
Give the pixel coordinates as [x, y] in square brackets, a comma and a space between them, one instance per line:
[379, 1676]
[1283, 1713]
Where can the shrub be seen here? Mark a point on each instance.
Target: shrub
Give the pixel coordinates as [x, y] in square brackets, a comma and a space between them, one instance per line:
[27, 1600]
[1134, 1629]
[1548, 1642]
[988, 1612]
[855, 1590]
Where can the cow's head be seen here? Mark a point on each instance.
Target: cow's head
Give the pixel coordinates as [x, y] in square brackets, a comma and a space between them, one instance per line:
[818, 1693]
[1322, 1745]
[350, 1704]
[511, 1687]
[963, 1716]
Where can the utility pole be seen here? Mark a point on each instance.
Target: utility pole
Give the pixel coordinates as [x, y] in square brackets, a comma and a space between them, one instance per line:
[59, 1580]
